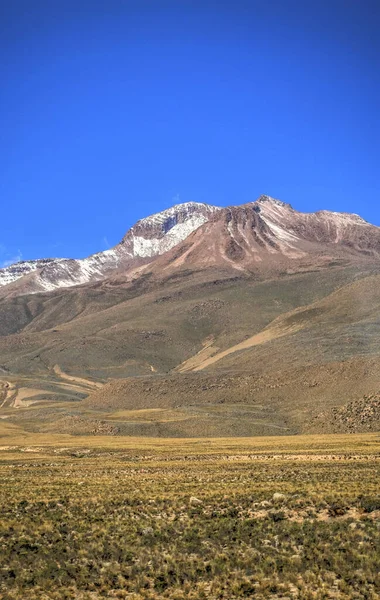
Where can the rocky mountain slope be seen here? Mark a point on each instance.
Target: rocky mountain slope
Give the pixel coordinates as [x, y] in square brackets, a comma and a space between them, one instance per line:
[269, 236]
[358, 416]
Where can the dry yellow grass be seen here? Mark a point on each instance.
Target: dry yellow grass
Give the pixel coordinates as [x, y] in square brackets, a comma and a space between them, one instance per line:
[14, 435]
[91, 517]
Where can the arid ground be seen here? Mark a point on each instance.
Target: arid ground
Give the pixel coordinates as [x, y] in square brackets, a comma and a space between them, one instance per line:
[90, 517]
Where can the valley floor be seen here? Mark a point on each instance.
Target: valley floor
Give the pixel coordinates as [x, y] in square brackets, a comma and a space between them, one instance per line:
[92, 517]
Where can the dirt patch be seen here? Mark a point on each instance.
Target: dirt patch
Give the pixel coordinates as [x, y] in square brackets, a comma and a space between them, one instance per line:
[196, 362]
[79, 380]
[201, 361]
[8, 392]
[23, 396]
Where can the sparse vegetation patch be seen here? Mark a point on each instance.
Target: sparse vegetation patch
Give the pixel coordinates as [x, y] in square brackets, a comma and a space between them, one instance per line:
[218, 519]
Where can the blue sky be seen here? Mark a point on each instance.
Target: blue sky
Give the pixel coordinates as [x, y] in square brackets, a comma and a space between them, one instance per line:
[112, 110]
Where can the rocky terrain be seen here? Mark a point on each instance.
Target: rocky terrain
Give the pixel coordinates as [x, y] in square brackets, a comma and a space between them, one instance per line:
[355, 417]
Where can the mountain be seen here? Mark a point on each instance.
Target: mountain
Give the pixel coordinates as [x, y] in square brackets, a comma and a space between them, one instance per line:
[245, 320]
[265, 235]
[148, 238]
[268, 236]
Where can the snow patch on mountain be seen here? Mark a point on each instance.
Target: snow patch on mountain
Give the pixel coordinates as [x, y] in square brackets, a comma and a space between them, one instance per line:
[281, 233]
[343, 218]
[148, 238]
[22, 268]
[52, 273]
[68, 273]
[144, 247]
[171, 215]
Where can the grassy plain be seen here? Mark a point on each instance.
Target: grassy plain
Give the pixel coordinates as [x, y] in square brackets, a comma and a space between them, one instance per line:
[110, 517]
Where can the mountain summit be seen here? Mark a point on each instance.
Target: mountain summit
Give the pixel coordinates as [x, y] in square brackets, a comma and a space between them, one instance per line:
[266, 234]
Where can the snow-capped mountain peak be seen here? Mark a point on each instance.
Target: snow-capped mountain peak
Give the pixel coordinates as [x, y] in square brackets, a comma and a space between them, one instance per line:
[149, 237]
[162, 231]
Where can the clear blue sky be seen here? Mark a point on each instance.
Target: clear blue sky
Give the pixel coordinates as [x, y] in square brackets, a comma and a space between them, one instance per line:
[111, 110]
